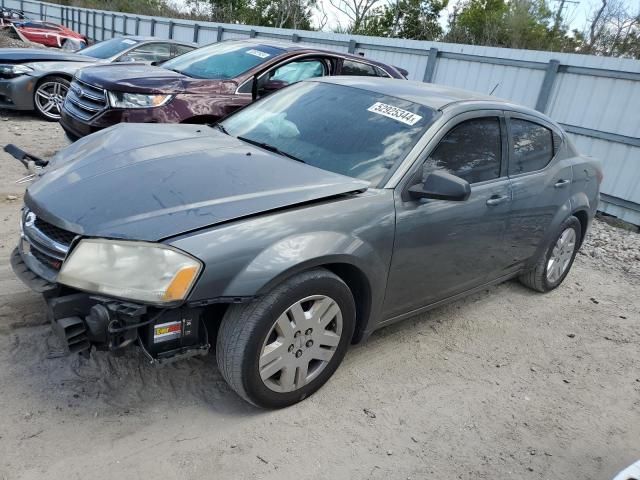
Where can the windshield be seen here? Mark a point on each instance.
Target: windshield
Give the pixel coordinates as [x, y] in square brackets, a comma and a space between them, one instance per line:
[223, 60]
[108, 48]
[343, 129]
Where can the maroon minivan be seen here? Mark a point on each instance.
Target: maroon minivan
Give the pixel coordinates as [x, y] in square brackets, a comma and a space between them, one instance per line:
[200, 86]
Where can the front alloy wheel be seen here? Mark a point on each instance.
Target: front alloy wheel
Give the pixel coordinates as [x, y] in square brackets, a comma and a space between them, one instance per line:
[283, 346]
[49, 97]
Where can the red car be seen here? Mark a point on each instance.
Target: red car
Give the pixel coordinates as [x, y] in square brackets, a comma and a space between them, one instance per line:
[50, 34]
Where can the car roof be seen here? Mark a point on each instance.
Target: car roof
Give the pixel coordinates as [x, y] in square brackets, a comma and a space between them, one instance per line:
[429, 94]
[141, 38]
[292, 47]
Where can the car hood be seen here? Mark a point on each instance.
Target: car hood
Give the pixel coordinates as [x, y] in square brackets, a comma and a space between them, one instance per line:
[134, 77]
[151, 182]
[22, 55]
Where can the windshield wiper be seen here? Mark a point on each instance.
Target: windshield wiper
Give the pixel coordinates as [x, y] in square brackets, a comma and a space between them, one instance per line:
[270, 148]
[220, 127]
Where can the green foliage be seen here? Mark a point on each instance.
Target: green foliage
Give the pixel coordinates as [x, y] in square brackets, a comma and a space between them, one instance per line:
[525, 24]
[414, 19]
[528, 24]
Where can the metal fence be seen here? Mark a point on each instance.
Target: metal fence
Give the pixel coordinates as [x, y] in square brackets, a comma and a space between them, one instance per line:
[596, 99]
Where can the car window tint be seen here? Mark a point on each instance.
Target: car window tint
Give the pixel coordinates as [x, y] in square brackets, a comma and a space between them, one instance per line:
[150, 52]
[295, 71]
[223, 60]
[342, 129]
[471, 150]
[357, 68]
[532, 147]
[108, 48]
[180, 49]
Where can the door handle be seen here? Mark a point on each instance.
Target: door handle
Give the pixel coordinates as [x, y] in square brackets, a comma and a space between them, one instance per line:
[497, 200]
[562, 183]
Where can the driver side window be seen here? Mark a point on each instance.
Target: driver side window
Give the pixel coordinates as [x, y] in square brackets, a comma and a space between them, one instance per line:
[150, 52]
[296, 71]
[471, 150]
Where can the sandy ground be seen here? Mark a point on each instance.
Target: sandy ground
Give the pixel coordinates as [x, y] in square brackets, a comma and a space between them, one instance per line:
[505, 384]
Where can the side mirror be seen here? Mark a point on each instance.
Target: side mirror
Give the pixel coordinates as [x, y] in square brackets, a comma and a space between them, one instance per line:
[266, 88]
[440, 185]
[272, 85]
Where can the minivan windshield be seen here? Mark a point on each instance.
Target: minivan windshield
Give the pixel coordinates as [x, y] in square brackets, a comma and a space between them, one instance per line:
[108, 48]
[343, 129]
[222, 61]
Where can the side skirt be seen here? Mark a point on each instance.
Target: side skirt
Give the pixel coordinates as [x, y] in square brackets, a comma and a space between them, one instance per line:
[444, 301]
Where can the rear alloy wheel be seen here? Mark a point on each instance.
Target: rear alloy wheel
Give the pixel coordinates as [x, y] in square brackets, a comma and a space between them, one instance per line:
[282, 347]
[554, 265]
[49, 97]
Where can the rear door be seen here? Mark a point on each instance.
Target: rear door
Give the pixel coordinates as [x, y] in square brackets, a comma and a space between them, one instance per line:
[541, 183]
[446, 247]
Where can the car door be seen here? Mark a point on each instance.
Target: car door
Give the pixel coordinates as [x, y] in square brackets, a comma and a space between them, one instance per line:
[447, 247]
[540, 180]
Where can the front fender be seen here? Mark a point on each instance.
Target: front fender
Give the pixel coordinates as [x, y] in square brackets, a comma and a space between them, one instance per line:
[297, 253]
[247, 258]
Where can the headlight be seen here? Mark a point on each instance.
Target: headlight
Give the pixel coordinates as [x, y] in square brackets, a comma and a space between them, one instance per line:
[147, 272]
[137, 100]
[10, 71]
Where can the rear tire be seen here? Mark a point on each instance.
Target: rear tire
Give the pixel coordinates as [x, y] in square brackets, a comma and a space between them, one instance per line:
[49, 96]
[555, 263]
[282, 347]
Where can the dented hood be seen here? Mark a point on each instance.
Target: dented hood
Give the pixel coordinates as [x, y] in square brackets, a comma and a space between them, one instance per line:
[150, 182]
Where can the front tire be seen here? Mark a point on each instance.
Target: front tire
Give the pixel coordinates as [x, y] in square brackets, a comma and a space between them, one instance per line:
[553, 266]
[49, 97]
[282, 347]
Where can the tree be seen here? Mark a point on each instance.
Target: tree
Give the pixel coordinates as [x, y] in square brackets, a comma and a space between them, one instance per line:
[357, 11]
[613, 30]
[528, 24]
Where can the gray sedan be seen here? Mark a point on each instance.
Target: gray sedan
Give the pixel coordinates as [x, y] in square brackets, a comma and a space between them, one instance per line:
[36, 79]
[300, 225]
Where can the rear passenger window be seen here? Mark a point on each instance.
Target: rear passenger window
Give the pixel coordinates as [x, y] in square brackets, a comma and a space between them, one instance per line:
[532, 146]
[471, 150]
[357, 68]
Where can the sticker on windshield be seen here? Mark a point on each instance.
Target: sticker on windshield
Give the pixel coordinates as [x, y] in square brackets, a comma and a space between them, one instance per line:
[257, 53]
[128, 41]
[394, 112]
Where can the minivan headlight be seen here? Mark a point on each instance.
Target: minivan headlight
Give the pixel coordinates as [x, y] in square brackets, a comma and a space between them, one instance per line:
[137, 100]
[142, 271]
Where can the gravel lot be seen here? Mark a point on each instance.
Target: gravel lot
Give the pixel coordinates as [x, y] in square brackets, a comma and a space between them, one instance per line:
[506, 384]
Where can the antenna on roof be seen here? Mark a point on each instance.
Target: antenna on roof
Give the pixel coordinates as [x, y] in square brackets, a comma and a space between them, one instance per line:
[494, 88]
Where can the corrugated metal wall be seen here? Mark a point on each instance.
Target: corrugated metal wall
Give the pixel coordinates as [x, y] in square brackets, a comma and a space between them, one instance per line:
[597, 99]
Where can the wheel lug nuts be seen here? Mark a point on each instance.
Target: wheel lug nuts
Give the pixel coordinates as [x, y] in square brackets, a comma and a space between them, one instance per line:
[309, 343]
[298, 353]
[309, 331]
[291, 347]
[297, 334]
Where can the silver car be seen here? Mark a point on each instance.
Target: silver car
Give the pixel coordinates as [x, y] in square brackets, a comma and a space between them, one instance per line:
[299, 225]
[38, 79]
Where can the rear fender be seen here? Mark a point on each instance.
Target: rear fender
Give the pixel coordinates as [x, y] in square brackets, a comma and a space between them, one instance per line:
[563, 212]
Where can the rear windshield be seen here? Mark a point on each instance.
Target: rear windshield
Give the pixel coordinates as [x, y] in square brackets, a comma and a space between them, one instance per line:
[223, 60]
[346, 130]
[108, 48]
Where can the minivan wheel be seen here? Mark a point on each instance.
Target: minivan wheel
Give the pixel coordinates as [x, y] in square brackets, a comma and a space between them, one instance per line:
[554, 265]
[49, 97]
[282, 347]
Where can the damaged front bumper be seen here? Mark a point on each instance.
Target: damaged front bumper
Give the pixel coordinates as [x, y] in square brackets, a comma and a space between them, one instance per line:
[83, 321]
